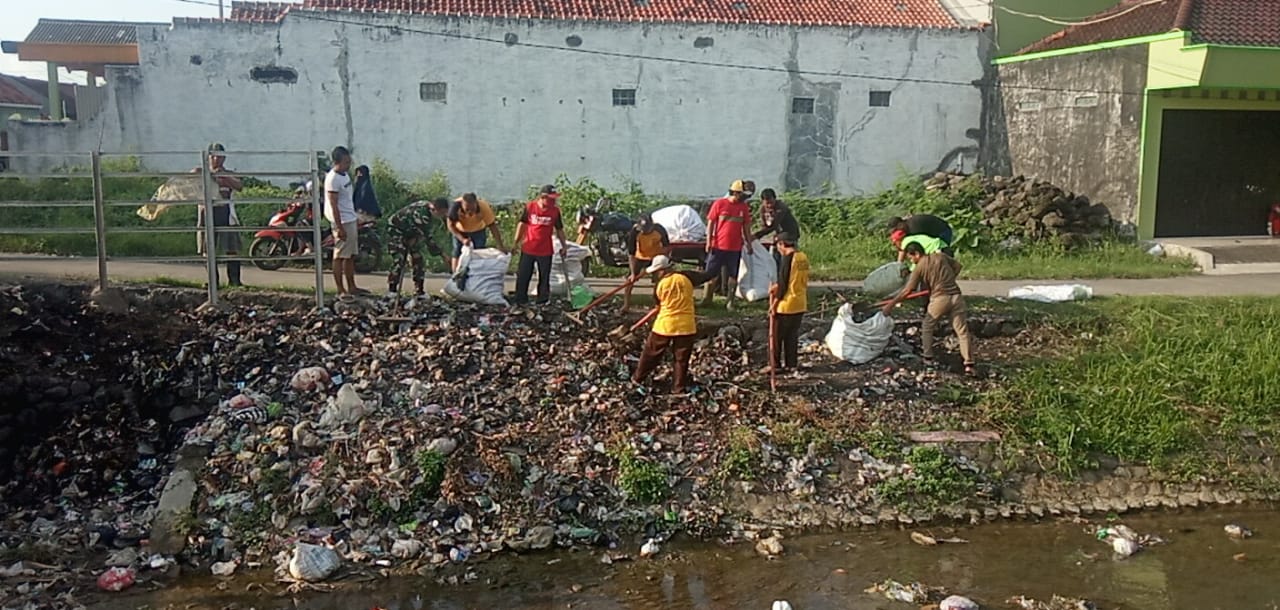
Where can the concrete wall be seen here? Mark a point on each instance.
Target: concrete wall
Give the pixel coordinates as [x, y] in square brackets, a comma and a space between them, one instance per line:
[516, 115]
[1076, 121]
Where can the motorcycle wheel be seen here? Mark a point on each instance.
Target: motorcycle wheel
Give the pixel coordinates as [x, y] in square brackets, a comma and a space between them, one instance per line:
[264, 251]
[369, 257]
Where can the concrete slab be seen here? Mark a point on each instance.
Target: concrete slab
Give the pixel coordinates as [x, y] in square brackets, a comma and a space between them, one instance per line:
[1228, 255]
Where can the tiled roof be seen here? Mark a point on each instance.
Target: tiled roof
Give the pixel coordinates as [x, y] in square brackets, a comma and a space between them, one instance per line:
[1227, 22]
[870, 13]
[75, 31]
[13, 93]
[259, 11]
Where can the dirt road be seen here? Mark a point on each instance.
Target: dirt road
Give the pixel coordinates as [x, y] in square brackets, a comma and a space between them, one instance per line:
[87, 268]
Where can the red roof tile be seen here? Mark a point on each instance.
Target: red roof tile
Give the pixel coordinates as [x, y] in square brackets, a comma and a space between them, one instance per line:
[870, 13]
[259, 11]
[1226, 22]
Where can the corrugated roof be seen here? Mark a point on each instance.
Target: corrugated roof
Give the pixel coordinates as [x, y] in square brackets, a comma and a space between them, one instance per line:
[74, 31]
[869, 13]
[1226, 22]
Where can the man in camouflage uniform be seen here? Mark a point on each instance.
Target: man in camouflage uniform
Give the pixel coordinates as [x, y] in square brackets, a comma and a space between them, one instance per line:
[407, 231]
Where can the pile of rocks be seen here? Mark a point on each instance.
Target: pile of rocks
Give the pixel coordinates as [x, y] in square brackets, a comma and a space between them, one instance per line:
[1031, 210]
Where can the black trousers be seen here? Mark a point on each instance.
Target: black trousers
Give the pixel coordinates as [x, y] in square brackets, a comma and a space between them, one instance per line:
[786, 342]
[655, 347]
[524, 274]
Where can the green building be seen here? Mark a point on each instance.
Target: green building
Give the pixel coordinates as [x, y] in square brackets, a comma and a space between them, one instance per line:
[1165, 110]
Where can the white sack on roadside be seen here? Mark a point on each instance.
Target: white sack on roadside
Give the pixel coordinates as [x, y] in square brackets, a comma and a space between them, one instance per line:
[756, 273]
[1061, 293]
[572, 265]
[682, 222]
[858, 342]
[884, 281]
[481, 277]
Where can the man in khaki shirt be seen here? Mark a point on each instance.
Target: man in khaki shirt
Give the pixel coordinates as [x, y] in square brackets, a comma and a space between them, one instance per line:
[937, 271]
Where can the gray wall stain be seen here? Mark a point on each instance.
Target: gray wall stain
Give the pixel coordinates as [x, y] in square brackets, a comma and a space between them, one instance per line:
[811, 138]
[344, 75]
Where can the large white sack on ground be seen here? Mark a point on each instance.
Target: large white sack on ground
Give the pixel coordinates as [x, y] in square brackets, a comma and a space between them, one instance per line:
[1060, 293]
[682, 222]
[858, 342]
[572, 264]
[756, 272]
[884, 281]
[485, 274]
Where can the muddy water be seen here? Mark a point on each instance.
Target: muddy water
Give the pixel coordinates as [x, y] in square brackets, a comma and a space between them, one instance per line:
[1198, 570]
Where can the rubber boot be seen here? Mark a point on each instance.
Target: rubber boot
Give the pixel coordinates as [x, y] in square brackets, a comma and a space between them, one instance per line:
[419, 289]
[233, 273]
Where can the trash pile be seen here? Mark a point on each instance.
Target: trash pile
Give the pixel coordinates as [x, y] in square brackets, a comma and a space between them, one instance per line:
[327, 443]
[1032, 210]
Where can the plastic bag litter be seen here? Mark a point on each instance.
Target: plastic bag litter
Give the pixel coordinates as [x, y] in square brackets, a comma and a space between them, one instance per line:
[956, 602]
[571, 265]
[884, 281]
[345, 408]
[756, 273]
[116, 579]
[313, 563]
[310, 378]
[1060, 293]
[480, 278]
[858, 342]
[682, 222]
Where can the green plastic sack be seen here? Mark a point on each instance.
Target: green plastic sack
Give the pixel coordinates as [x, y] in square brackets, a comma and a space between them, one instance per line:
[580, 296]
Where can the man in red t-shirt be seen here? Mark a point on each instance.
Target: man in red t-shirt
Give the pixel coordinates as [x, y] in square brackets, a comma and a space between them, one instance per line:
[728, 232]
[540, 220]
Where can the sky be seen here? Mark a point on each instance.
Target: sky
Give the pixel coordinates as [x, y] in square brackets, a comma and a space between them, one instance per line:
[20, 17]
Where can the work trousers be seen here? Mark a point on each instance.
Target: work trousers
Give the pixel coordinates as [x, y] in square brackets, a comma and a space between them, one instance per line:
[941, 307]
[524, 274]
[405, 248]
[786, 340]
[655, 347]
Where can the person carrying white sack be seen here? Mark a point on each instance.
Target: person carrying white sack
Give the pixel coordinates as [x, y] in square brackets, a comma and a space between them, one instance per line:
[937, 271]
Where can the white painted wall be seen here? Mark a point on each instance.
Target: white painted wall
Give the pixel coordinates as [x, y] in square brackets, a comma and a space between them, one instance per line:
[517, 115]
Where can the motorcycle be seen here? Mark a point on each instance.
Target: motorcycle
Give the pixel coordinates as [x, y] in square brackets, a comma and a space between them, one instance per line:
[271, 247]
[605, 234]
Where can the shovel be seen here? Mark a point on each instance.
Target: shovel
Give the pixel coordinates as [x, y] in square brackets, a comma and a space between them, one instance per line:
[622, 332]
[773, 345]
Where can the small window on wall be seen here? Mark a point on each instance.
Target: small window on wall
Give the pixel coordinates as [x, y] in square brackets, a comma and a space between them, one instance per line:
[433, 92]
[880, 99]
[624, 97]
[1028, 106]
[1086, 101]
[801, 105]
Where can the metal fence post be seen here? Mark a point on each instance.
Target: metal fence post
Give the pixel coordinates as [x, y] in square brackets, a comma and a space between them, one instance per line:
[210, 237]
[99, 218]
[317, 216]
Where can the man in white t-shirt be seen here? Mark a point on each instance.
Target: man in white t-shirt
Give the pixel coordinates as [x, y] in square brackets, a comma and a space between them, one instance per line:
[340, 211]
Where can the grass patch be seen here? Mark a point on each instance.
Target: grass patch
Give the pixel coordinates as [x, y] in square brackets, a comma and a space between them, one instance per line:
[934, 481]
[643, 481]
[1152, 380]
[742, 455]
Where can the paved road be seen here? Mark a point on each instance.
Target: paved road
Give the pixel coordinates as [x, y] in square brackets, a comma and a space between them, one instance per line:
[87, 269]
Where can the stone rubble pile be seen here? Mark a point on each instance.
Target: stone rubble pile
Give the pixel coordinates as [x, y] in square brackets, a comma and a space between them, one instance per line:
[1032, 210]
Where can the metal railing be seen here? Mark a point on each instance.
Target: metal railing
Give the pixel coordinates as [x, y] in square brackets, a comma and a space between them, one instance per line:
[206, 200]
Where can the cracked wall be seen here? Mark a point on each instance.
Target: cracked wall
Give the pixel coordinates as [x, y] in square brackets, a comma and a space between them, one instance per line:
[518, 115]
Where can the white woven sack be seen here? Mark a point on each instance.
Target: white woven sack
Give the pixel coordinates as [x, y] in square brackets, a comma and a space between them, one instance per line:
[485, 271]
[884, 281]
[572, 266]
[756, 273]
[682, 222]
[858, 342]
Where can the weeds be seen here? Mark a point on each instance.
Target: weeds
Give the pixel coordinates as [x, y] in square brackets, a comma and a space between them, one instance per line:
[742, 456]
[642, 480]
[934, 481]
[1164, 375]
[881, 443]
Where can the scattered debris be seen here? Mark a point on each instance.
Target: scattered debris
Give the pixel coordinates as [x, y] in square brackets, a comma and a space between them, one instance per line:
[313, 563]
[224, 568]
[956, 602]
[770, 547]
[913, 593]
[116, 579]
[1057, 603]
[650, 548]
[1124, 541]
[1237, 531]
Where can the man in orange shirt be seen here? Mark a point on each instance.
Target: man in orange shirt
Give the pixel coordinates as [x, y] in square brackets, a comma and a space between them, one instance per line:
[646, 241]
[728, 232]
[675, 328]
[468, 218]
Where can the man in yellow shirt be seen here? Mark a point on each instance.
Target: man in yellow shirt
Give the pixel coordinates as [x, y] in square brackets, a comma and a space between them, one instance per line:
[791, 295]
[468, 219]
[675, 327]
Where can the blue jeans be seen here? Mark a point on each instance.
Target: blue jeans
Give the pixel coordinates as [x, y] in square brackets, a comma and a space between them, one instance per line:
[479, 240]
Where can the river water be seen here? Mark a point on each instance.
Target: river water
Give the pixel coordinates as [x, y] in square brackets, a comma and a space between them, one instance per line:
[1200, 568]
